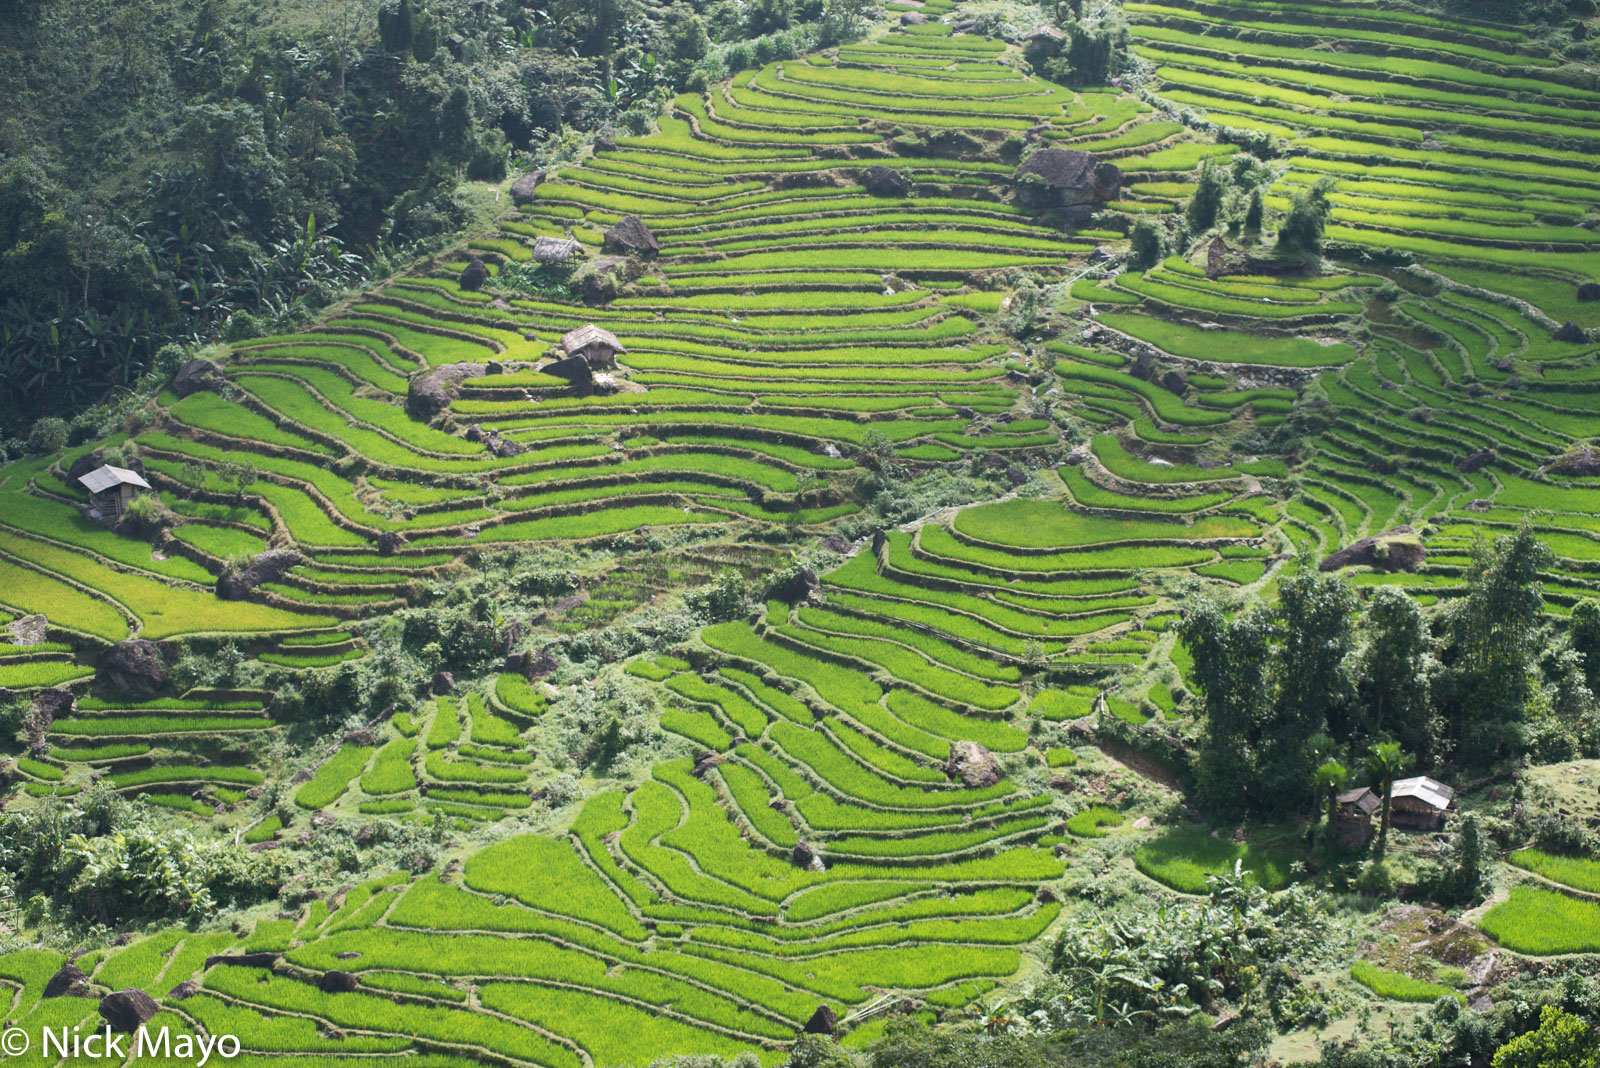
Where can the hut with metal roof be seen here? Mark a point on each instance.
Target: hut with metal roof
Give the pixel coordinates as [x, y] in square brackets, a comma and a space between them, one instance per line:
[112, 489]
[1419, 803]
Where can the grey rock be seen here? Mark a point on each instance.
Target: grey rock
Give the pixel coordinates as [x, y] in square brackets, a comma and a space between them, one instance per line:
[69, 981]
[334, 981]
[431, 391]
[883, 181]
[269, 566]
[823, 1022]
[135, 667]
[630, 236]
[127, 1010]
[473, 275]
[195, 376]
[973, 765]
[522, 190]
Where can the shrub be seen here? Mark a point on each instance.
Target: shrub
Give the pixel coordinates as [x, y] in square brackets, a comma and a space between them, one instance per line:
[48, 436]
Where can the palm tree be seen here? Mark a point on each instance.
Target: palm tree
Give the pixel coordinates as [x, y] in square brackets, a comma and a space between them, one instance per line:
[1386, 762]
[1319, 749]
[1330, 778]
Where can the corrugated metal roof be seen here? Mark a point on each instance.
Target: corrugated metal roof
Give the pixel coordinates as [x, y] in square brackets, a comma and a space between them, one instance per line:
[1362, 798]
[1430, 792]
[106, 477]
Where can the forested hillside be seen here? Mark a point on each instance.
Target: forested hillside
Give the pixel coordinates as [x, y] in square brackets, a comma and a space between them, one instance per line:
[172, 170]
[969, 534]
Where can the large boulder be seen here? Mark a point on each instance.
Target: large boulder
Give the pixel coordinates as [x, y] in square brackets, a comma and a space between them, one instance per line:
[68, 982]
[630, 236]
[335, 981]
[807, 856]
[269, 566]
[800, 586]
[1589, 291]
[128, 1010]
[50, 705]
[431, 391]
[474, 274]
[196, 375]
[1399, 549]
[244, 960]
[1066, 178]
[823, 1022]
[522, 189]
[135, 667]
[1475, 462]
[1581, 462]
[883, 181]
[1571, 332]
[574, 369]
[973, 765]
[184, 990]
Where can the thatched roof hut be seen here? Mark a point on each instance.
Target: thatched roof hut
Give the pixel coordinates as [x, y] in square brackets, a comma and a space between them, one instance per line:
[599, 347]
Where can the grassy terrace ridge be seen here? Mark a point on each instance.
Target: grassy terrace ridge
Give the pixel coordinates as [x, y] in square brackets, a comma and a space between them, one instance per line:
[830, 649]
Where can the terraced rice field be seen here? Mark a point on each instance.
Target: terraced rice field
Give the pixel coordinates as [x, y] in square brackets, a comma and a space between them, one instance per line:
[792, 324]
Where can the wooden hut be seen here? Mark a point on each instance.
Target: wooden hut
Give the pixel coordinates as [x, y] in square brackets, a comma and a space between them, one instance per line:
[1419, 803]
[1356, 809]
[599, 347]
[112, 489]
[1044, 41]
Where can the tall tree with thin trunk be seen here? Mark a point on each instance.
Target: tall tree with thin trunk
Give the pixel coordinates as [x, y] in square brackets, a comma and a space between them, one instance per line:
[1330, 779]
[1395, 669]
[1386, 762]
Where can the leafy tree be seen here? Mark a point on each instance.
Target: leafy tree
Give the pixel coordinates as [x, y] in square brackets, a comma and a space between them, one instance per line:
[1386, 762]
[1394, 671]
[1315, 687]
[1308, 216]
[723, 598]
[1493, 637]
[768, 16]
[1232, 669]
[49, 435]
[1562, 1040]
[1461, 881]
[817, 1051]
[1206, 203]
[1147, 243]
[691, 42]
[1255, 214]
[1096, 52]
[1583, 631]
[842, 20]
[396, 26]
[1147, 967]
